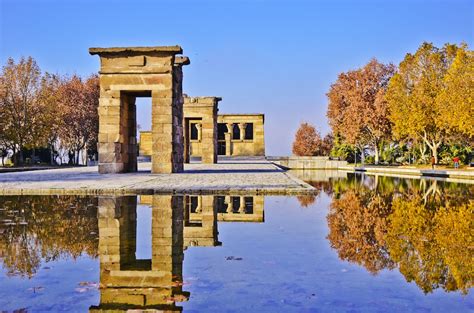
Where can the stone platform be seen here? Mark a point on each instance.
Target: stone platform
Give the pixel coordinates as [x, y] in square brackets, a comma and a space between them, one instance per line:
[230, 176]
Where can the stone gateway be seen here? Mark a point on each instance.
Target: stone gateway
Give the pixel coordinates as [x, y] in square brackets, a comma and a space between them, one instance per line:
[125, 74]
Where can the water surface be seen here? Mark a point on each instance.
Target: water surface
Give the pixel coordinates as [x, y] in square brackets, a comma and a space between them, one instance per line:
[361, 244]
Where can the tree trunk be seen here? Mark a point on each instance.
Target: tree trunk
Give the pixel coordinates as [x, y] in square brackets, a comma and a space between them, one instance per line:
[376, 154]
[434, 151]
[362, 155]
[51, 155]
[86, 159]
[433, 145]
[70, 159]
[20, 156]
[380, 149]
[422, 149]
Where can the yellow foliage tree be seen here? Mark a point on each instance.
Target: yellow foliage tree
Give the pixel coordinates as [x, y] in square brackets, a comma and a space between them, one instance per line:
[455, 103]
[413, 91]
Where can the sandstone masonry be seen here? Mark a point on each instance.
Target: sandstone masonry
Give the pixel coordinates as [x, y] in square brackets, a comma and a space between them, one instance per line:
[125, 74]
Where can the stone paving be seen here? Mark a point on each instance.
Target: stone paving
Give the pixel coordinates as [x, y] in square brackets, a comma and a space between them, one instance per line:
[239, 176]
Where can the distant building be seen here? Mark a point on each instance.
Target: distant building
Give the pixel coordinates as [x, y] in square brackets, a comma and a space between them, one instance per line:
[207, 134]
[240, 135]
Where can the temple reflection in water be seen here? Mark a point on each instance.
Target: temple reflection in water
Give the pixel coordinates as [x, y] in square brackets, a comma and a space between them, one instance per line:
[422, 228]
[129, 281]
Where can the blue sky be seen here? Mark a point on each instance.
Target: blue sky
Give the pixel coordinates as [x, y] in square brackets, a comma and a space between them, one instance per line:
[274, 57]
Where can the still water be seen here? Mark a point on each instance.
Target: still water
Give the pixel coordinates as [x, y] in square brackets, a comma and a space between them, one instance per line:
[361, 244]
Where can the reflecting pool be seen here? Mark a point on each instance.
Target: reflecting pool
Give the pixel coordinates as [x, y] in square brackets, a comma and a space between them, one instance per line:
[359, 244]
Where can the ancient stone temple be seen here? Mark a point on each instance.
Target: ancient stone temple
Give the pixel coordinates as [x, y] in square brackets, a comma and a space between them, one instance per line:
[125, 74]
[237, 134]
[240, 134]
[200, 128]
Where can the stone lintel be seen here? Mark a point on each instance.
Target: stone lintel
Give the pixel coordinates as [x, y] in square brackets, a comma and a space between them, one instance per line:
[181, 60]
[171, 50]
[241, 114]
[240, 117]
[201, 101]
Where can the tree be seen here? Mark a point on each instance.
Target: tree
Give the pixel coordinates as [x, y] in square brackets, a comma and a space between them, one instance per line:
[327, 144]
[79, 102]
[23, 116]
[308, 141]
[413, 91]
[455, 103]
[343, 150]
[50, 96]
[357, 108]
[5, 142]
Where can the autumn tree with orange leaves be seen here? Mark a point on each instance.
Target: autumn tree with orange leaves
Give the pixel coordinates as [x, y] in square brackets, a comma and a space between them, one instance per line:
[25, 117]
[357, 108]
[308, 142]
[39, 110]
[79, 101]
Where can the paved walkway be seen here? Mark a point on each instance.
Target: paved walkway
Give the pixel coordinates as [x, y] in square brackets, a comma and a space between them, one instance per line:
[229, 176]
[464, 174]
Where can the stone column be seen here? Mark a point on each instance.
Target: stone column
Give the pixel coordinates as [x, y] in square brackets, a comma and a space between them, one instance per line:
[199, 204]
[187, 143]
[258, 138]
[242, 205]
[117, 133]
[199, 131]
[242, 130]
[207, 140]
[228, 201]
[162, 133]
[228, 139]
[111, 139]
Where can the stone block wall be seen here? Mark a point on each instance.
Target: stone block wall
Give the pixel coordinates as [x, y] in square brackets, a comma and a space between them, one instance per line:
[244, 147]
[307, 162]
[145, 143]
[130, 72]
[203, 111]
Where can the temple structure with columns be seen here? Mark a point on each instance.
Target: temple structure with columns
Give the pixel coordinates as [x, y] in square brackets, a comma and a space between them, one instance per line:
[208, 134]
[240, 135]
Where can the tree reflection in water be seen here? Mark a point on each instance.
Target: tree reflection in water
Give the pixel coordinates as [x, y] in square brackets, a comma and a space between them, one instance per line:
[36, 228]
[422, 227]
